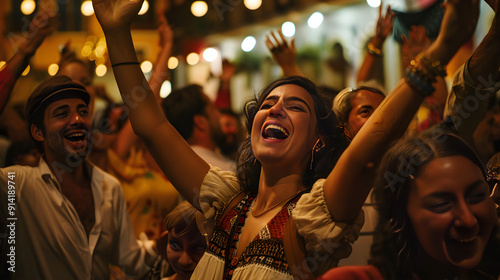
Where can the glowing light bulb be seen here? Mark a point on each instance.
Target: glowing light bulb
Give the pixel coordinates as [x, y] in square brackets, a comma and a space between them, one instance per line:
[87, 8]
[53, 68]
[28, 7]
[166, 89]
[146, 66]
[252, 4]
[144, 8]
[210, 54]
[101, 70]
[288, 29]
[199, 8]
[248, 43]
[373, 3]
[315, 20]
[173, 62]
[192, 58]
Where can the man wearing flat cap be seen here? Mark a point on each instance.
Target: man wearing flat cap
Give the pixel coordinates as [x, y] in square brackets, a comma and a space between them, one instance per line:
[65, 218]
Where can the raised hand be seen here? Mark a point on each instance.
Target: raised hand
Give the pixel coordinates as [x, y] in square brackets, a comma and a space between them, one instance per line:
[165, 33]
[42, 25]
[458, 25]
[116, 14]
[415, 43]
[284, 53]
[384, 23]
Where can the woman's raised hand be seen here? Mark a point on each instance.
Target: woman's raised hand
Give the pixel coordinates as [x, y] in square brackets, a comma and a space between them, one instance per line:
[116, 14]
[458, 25]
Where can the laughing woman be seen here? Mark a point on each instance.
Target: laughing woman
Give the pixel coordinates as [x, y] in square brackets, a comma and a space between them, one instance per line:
[286, 165]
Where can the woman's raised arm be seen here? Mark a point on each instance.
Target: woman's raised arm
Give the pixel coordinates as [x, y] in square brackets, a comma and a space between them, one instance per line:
[348, 185]
[175, 157]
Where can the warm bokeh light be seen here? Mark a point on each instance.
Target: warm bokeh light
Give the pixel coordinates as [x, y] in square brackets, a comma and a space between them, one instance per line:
[166, 89]
[173, 62]
[26, 71]
[87, 8]
[146, 66]
[92, 56]
[315, 20]
[144, 8]
[53, 68]
[100, 60]
[288, 29]
[252, 4]
[210, 54]
[101, 70]
[28, 7]
[199, 8]
[192, 58]
[86, 50]
[2, 64]
[248, 43]
[373, 3]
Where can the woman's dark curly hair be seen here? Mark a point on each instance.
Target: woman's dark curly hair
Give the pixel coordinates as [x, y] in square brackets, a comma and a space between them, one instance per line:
[395, 249]
[249, 168]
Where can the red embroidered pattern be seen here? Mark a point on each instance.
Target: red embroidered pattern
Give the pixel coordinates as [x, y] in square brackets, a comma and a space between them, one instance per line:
[265, 249]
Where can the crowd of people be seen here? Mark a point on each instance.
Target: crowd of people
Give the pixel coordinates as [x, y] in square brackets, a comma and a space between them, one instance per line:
[323, 184]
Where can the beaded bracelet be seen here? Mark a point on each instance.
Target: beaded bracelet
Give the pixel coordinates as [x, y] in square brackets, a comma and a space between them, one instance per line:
[419, 83]
[125, 63]
[373, 50]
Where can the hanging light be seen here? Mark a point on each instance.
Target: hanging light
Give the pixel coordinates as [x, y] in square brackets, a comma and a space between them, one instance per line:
[144, 8]
[210, 54]
[199, 8]
[252, 4]
[146, 66]
[101, 70]
[288, 29]
[373, 3]
[87, 8]
[28, 7]
[53, 68]
[248, 43]
[315, 20]
[192, 58]
[166, 89]
[173, 62]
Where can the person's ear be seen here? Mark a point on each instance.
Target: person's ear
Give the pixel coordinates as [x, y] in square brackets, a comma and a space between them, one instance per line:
[37, 133]
[201, 122]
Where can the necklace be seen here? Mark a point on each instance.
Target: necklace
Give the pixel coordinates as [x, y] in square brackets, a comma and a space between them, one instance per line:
[272, 207]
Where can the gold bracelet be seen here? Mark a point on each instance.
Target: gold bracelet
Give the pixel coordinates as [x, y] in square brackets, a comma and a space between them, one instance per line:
[433, 67]
[373, 50]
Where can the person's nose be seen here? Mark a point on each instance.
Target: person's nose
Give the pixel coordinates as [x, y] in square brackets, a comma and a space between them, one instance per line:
[76, 119]
[464, 217]
[185, 260]
[277, 110]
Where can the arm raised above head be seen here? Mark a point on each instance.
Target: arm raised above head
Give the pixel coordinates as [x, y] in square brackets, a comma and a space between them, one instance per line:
[175, 157]
[348, 185]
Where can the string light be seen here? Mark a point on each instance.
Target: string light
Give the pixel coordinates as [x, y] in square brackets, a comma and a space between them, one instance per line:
[28, 7]
[87, 8]
[52, 69]
[252, 4]
[248, 43]
[173, 62]
[192, 58]
[199, 8]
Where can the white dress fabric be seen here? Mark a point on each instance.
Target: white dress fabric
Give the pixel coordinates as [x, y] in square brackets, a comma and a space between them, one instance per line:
[326, 241]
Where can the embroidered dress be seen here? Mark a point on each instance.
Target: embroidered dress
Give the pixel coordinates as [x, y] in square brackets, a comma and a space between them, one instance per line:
[264, 257]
